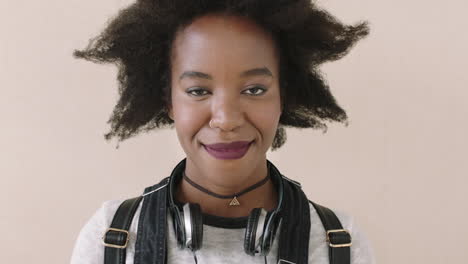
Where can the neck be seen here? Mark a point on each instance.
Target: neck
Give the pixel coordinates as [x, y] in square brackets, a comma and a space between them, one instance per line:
[264, 196]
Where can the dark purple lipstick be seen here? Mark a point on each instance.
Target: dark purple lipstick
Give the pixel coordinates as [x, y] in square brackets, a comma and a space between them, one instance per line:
[233, 150]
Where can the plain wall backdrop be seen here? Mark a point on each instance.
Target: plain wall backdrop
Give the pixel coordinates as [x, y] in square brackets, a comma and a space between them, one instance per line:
[399, 168]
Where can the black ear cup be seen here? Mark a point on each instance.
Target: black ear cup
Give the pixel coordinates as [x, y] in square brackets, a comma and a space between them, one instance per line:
[250, 231]
[188, 226]
[179, 230]
[197, 227]
[271, 225]
[254, 231]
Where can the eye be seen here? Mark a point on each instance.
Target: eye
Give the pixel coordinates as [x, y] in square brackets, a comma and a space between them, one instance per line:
[197, 92]
[257, 90]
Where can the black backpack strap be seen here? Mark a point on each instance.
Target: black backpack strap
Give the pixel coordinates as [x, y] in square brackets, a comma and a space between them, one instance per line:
[116, 237]
[151, 241]
[338, 239]
[293, 246]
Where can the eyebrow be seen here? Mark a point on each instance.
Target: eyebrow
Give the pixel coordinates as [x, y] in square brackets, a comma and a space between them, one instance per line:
[252, 72]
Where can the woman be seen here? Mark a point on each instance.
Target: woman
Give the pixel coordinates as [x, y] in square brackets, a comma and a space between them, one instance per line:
[228, 75]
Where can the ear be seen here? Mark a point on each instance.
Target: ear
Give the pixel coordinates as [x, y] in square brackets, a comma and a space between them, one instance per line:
[170, 112]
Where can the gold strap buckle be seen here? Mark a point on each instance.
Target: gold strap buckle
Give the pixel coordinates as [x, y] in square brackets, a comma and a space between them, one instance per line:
[127, 235]
[338, 231]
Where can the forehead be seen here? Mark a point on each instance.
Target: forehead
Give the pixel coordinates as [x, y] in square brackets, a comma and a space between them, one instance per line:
[215, 42]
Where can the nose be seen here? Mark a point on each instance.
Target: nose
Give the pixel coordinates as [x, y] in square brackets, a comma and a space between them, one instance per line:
[227, 113]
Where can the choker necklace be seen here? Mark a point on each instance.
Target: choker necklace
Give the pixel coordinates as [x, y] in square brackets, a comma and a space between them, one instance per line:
[234, 201]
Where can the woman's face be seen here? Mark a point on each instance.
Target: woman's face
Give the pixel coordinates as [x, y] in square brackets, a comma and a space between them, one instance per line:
[224, 69]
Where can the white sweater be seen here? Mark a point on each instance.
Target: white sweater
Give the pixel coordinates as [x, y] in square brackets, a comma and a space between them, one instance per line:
[220, 244]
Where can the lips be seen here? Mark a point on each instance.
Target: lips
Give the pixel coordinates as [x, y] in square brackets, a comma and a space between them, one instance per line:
[233, 150]
[229, 146]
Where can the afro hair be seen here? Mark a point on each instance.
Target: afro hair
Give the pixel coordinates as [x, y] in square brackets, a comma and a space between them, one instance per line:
[139, 39]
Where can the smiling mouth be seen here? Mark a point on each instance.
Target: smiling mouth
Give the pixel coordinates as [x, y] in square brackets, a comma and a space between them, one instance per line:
[234, 150]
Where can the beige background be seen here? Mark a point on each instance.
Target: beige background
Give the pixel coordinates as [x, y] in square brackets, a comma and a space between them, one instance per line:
[400, 167]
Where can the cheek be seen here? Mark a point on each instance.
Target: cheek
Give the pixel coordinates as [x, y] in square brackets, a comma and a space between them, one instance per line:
[189, 119]
[266, 119]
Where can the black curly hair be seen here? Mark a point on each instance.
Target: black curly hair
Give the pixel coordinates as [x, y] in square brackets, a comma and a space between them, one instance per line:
[139, 39]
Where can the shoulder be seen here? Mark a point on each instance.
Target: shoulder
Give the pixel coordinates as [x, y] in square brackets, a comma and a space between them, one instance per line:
[102, 216]
[88, 246]
[361, 250]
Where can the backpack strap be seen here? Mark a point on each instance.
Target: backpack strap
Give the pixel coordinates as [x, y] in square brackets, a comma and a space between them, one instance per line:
[293, 246]
[338, 239]
[117, 236]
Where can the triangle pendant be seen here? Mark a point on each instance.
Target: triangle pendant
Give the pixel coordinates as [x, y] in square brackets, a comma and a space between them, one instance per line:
[234, 202]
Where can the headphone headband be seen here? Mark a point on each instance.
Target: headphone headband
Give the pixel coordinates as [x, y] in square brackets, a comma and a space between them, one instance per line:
[263, 231]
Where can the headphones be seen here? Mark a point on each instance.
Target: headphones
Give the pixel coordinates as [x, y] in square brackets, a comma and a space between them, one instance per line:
[261, 225]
